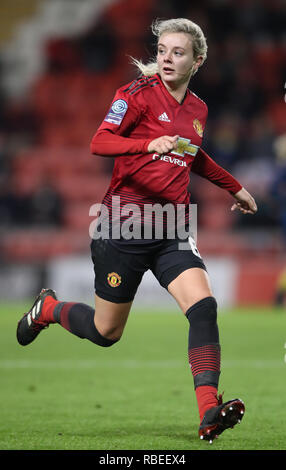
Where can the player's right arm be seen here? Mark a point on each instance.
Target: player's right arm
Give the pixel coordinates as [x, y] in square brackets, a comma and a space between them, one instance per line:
[163, 144]
[111, 138]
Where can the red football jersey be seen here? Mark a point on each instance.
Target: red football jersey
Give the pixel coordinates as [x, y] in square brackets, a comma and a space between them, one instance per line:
[142, 111]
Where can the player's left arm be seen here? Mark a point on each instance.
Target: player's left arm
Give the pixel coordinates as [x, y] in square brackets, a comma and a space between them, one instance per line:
[244, 202]
[206, 167]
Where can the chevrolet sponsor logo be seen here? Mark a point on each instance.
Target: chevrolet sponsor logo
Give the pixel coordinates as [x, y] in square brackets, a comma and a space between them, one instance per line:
[185, 146]
[169, 159]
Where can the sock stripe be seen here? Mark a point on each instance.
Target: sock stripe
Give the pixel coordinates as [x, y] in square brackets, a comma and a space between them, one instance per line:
[64, 315]
[204, 358]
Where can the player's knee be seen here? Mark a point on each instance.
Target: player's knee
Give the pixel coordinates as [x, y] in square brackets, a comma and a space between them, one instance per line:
[204, 310]
[104, 341]
[112, 334]
[107, 342]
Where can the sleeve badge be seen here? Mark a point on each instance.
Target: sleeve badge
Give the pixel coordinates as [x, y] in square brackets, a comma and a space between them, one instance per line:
[117, 112]
[198, 127]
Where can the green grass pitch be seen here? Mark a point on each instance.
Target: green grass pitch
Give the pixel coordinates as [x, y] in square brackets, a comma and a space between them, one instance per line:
[64, 393]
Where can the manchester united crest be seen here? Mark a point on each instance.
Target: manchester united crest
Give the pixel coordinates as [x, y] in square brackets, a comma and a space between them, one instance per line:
[198, 127]
[113, 279]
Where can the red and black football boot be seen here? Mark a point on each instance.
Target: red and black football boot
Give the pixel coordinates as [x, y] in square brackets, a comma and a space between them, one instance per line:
[221, 417]
[31, 324]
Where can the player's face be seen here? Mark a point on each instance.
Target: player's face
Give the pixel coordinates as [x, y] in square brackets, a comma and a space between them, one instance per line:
[175, 58]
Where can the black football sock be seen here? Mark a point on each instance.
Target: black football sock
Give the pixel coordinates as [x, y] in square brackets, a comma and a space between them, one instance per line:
[204, 347]
[78, 318]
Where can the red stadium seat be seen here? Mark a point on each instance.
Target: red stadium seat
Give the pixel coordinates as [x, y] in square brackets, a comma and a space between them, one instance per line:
[82, 188]
[76, 216]
[129, 17]
[34, 245]
[215, 217]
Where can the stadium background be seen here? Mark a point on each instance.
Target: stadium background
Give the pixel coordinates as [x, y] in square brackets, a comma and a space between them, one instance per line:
[61, 62]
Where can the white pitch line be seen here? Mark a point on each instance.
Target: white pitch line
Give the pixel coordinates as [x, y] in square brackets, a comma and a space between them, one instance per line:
[85, 364]
[129, 364]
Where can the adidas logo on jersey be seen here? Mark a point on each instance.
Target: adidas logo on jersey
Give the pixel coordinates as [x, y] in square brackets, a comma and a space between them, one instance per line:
[164, 117]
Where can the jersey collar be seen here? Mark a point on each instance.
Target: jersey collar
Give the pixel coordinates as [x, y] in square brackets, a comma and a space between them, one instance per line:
[171, 99]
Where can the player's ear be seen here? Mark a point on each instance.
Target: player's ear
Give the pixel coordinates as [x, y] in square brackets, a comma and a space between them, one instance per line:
[197, 63]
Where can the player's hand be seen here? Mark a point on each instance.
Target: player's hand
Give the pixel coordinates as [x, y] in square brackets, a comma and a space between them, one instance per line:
[245, 202]
[163, 144]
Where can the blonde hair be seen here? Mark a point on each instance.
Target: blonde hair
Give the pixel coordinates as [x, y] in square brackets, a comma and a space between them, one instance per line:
[176, 25]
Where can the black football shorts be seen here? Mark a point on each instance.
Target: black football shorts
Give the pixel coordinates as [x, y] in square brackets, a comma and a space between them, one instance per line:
[119, 265]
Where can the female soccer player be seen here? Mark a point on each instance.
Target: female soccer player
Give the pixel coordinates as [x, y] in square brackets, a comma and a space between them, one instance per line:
[154, 128]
